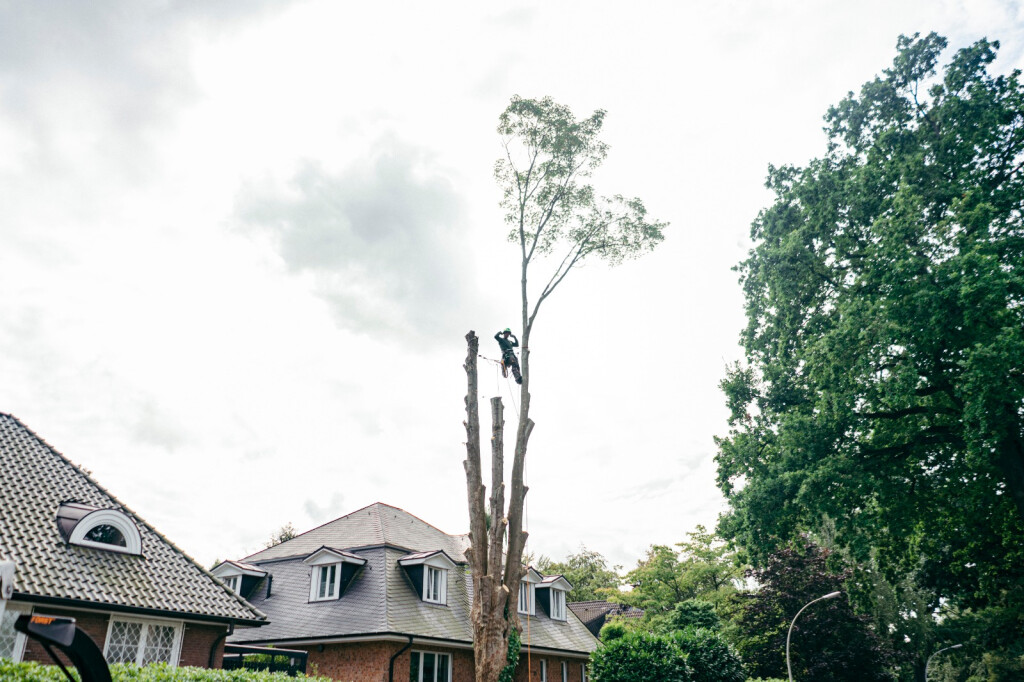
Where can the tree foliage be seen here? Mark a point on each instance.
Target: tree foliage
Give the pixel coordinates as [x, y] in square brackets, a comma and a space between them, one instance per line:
[282, 534]
[884, 383]
[702, 568]
[709, 657]
[588, 573]
[829, 641]
[640, 657]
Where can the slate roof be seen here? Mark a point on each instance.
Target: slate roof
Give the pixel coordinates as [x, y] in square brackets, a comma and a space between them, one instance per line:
[34, 480]
[381, 599]
[593, 614]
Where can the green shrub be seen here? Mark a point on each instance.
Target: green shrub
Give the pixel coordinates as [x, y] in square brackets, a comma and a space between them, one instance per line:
[694, 613]
[709, 656]
[611, 631]
[158, 672]
[640, 657]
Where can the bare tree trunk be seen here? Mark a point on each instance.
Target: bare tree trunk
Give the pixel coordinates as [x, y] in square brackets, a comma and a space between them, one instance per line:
[492, 613]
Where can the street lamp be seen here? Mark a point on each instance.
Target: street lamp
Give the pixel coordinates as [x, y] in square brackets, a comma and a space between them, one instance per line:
[929, 661]
[830, 595]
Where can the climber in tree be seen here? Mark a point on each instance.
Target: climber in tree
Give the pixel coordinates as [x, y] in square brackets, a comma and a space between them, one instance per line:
[508, 356]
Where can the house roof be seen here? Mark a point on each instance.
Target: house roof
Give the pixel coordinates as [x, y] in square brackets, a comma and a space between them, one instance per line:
[594, 613]
[35, 480]
[381, 599]
[373, 526]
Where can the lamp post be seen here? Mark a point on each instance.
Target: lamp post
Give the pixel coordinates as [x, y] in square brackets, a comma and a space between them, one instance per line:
[830, 595]
[929, 661]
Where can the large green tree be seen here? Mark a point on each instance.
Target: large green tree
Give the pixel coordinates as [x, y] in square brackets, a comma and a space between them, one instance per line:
[884, 376]
[588, 573]
[701, 568]
[557, 220]
[829, 641]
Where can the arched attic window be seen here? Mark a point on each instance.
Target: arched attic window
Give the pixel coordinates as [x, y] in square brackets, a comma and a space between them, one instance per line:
[110, 530]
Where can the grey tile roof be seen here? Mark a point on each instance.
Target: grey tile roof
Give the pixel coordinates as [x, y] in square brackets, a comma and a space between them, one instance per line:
[381, 599]
[593, 614]
[34, 480]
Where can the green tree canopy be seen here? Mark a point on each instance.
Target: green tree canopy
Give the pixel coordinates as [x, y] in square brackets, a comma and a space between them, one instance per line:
[884, 382]
[587, 571]
[702, 568]
[829, 641]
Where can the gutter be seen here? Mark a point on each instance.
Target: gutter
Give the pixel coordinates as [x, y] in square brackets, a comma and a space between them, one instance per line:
[82, 604]
[391, 663]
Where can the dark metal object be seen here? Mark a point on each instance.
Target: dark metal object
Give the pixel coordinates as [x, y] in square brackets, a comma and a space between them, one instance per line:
[71, 640]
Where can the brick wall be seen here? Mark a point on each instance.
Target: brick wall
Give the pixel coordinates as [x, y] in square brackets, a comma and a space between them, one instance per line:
[554, 668]
[195, 644]
[368, 661]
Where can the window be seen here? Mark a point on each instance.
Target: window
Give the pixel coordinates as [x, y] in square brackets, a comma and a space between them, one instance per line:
[527, 603]
[234, 583]
[108, 529]
[565, 671]
[543, 670]
[435, 585]
[332, 571]
[107, 535]
[430, 667]
[558, 604]
[12, 642]
[142, 643]
[325, 581]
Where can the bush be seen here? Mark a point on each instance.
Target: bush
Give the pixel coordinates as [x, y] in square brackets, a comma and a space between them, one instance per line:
[158, 672]
[709, 656]
[640, 657]
[611, 631]
[694, 613]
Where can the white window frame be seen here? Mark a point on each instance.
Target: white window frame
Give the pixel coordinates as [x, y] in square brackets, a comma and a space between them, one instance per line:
[419, 677]
[557, 604]
[108, 517]
[440, 596]
[565, 672]
[179, 630]
[543, 670]
[333, 586]
[11, 613]
[531, 592]
[234, 582]
[322, 560]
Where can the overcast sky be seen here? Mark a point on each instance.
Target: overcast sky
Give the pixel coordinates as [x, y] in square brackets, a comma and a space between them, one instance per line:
[242, 243]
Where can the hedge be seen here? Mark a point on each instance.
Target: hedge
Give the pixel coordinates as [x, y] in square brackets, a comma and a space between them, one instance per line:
[157, 672]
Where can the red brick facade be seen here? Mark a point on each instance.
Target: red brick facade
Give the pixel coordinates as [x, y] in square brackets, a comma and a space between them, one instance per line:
[368, 662]
[196, 642]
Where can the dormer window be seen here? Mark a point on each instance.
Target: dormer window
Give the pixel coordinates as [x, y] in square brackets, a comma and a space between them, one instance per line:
[551, 594]
[333, 570]
[558, 604]
[238, 577]
[428, 572]
[435, 585]
[528, 592]
[234, 583]
[107, 529]
[325, 581]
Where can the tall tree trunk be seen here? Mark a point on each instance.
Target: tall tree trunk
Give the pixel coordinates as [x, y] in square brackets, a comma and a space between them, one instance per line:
[493, 613]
